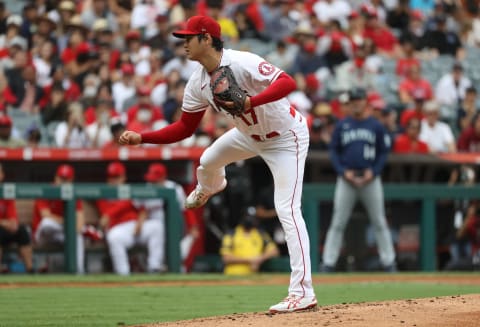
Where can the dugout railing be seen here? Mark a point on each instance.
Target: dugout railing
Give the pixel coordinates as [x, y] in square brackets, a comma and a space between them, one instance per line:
[313, 194]
[70, 193]
[427, 194]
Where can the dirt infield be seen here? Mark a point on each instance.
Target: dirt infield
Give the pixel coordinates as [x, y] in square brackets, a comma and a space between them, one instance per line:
[462, 310]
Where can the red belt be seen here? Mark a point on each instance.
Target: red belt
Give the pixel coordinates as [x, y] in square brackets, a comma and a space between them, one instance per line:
[261, 138]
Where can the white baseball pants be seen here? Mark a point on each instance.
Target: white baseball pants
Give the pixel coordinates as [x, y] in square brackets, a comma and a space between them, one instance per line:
[285, 156]
[49, 231]
[121, 237]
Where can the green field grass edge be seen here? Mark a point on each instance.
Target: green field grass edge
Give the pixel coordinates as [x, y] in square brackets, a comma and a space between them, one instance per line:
[112, 278]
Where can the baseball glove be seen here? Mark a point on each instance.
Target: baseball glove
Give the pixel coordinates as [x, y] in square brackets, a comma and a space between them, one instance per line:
[227, 94]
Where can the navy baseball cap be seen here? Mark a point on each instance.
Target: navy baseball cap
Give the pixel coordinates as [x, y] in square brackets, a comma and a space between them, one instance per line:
[357, 93]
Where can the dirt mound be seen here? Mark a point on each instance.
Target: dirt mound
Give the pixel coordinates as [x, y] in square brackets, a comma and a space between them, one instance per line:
[461, 310]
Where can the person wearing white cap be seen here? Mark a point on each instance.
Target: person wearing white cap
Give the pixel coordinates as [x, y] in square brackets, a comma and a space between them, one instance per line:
[437, 134]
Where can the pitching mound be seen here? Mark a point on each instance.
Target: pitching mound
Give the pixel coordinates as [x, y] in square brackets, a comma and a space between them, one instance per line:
[462, 310]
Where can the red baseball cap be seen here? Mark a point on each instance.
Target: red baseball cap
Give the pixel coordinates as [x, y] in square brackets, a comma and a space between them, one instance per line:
[200, 25]
[116, 169]
[143, 90]
[155, 172]
[128, 69]
[5, 121]
[65, 172]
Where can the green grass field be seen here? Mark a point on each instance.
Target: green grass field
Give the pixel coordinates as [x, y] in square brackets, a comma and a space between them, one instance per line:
[130, 300]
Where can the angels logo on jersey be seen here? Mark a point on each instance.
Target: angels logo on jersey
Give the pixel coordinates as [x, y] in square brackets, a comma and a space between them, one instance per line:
[266, 68]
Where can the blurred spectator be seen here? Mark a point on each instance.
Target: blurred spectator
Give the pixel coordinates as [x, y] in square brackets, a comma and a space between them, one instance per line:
[56, 108]
[329, 10]
[465, 250]
[62, 15]
[144, 115]
[281, 57]
[22, 84]
[356, 28]
[126, 226]
[157, 175]
[12, 232]
[33, 136]
[384, 40]
[386, 115]
[409, 141]
[6, 139]
[46, 27]
[180, 63]
[61, 77]
[138, 53]
[99, 9]
[4, 14]
[144, 15]
[354, 73]
[116, 129]
[437, 134]
[70, 133]
[124, 88]
[374, 60]
[450, 89]
[227, 25]
[99, 132]
[464, 243]
[280, 23]
[160, 40]
[245, 248]
[414, 85]
[248, 19]
[415, 32]
[399, 17]
[307, 60]
[469, 138]
[334, 45]
[49, 216]
[415, 112]
[443, 41]
[29, 15]
[407, 59]
[320, 136]
[44, 63]
[467, 109]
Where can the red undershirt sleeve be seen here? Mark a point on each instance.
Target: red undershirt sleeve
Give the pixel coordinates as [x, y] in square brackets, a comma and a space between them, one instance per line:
[179, 130]
[280, 88]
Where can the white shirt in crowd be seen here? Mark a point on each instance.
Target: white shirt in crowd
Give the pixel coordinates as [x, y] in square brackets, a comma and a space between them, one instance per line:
[438, 136]
[78, 137]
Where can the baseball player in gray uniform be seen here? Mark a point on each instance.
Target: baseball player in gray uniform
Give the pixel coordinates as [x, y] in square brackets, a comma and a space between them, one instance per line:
[358, 150]
[268, 127]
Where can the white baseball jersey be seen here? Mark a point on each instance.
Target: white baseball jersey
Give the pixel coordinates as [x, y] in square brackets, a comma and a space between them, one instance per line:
[156, 207]
[253, 74]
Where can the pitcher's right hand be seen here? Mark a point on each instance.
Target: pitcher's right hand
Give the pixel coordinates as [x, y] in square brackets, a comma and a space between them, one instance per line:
[130, 138]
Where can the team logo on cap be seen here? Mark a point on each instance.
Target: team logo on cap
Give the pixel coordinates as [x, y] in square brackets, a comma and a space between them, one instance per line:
[266, 68]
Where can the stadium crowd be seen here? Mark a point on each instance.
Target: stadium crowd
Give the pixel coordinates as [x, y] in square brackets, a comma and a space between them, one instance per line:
[76, 73]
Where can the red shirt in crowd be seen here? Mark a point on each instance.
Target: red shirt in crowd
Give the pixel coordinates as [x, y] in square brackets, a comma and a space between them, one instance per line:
[118, 211]
[8, 211]
[404, 64]
[382, 38]
[469, 141]
[404, 144]
[409, 114]
[56, 207]
[421, 86]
